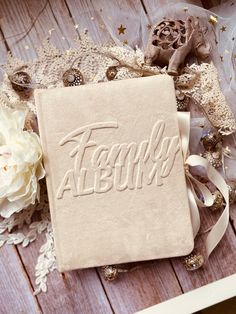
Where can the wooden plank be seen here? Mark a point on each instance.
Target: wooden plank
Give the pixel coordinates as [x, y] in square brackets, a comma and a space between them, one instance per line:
[233, 216]
[3, 55]
[17, 17]
[77, 292]
[220, 264]
[151, 283]
[81, 292]
[86, 16]
[16, 292]
[14, 279]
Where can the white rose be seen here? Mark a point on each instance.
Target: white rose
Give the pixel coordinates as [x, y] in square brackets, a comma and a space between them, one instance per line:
[20, 163]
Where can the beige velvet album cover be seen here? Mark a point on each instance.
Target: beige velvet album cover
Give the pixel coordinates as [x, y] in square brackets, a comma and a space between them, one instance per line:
[114, 171]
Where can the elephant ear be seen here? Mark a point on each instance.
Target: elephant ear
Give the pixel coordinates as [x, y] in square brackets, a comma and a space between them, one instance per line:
[208, 46]
[151, 54]
[203, 51]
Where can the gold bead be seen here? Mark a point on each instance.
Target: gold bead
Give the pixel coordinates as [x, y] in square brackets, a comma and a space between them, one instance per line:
[72, 77]
[21, 83]
[111, 73]
[218, 201]
[193, 261]
[214, 158]
[210, 140]
[110, 272]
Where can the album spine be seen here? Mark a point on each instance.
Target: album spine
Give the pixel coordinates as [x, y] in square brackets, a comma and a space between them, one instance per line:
[49, 176]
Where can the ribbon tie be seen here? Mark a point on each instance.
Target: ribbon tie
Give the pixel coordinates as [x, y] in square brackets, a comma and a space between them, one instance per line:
[218, 230]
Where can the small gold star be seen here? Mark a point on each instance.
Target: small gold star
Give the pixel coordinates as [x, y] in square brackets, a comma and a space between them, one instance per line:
[185, 9]
[221, 58]
[125, 42]
[223, 28]
[213, 19]
[121, 29]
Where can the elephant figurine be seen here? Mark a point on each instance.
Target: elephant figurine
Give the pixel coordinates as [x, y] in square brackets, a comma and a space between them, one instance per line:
[170, 42]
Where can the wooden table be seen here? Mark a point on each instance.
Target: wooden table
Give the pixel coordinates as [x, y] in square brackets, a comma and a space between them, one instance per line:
[86, 291]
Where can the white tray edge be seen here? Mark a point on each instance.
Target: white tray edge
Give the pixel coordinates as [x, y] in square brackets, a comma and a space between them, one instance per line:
[196, 299]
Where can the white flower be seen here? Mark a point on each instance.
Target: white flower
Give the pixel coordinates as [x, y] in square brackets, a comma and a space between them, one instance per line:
[20, 163]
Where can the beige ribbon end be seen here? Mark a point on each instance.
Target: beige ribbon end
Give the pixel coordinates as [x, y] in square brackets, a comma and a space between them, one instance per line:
[219, 229]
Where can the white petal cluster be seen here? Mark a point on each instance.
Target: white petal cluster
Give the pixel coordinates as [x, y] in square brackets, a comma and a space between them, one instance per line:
[20, 163]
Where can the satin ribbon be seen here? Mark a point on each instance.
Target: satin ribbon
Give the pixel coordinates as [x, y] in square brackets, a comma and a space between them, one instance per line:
[226, 153]
[219, 229]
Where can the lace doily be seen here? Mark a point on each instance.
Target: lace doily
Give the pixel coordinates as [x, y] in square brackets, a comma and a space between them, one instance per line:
[201, 83]
[92, 60]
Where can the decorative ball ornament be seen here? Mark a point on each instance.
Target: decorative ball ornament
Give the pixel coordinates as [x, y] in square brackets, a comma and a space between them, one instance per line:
[111, 73]
[110, 272]
[232, 192]
[73, 77]
[214, 158]
[210, 140]
[218, 201]
[21, 83]
[193, 261]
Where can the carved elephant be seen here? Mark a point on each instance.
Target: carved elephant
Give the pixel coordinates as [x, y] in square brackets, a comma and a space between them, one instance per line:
[170, 42]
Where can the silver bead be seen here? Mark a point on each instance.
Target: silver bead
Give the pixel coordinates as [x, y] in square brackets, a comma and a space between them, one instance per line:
[210, 140]
[72, 77]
